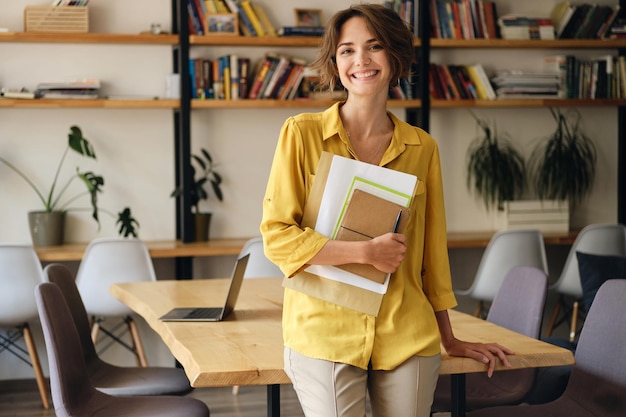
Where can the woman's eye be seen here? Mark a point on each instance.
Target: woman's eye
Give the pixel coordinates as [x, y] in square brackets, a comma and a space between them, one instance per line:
[345, 51]
[376, 47]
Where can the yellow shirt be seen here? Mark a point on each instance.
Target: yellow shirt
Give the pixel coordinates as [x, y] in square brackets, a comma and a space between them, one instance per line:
[406, 323]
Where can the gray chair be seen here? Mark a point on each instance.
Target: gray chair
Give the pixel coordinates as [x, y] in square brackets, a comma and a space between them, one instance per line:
[506, 249]
[20, 273]
[598, 381]
[73, 393]
[596, 239]
[108, 378]
[517, 306]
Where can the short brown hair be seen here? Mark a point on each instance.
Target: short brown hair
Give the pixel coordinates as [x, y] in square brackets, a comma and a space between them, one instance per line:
[387, 27]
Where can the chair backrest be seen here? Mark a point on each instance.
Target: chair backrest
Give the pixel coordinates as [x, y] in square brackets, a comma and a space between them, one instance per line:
[506, 249]
[596, 239]
[20, 273]
[258, 264]
[599, 377]
[69, 380]
[520, 301]
[62, 277]
[110, 261]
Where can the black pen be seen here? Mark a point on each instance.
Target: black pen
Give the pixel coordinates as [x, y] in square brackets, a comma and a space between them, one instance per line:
[397, 224]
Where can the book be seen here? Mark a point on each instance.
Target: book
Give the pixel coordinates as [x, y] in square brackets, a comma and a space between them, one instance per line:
[368, 216]
[280, 67]
[557, 64]
[234, 76]
[244, 73]
[269, 28]
[491, 18]
[301, 31]
[260, 75]
[254, 19]
[482, 74]
[245, 25]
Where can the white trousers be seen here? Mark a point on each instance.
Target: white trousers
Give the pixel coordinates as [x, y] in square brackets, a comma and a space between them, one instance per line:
[330, 389]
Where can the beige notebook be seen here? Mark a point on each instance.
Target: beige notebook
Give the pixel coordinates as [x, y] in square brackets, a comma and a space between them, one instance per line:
[368, 216]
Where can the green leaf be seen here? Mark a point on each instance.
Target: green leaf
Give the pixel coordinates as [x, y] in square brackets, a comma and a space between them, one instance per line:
[78, 143]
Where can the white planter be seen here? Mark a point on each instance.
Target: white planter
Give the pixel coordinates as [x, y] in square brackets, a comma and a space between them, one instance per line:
[547, 216]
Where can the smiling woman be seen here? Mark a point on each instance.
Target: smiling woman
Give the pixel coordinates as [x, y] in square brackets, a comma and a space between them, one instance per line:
[367, 48]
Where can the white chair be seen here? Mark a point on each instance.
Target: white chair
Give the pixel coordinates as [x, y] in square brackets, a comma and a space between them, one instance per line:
[20, 273]
[596, 239]
[258, 264]
[109, 261]
[506, 249]
[258, 267]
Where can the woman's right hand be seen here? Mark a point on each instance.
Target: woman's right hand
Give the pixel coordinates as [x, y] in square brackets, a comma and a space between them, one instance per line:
[386, 252]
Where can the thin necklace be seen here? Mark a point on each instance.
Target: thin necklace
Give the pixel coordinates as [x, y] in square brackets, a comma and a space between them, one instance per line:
[373, 157]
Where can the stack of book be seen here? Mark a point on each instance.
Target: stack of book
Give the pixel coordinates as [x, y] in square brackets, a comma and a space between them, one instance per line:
[583, 21]
[521, 84]
[523, 27]
[450, 82]
[590, 78]
[83, 89]
[463, 19]
[252, 18]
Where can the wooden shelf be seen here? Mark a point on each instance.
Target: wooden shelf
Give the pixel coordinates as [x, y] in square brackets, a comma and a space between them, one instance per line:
[516, 103]
[157, 249]
[48, 103]
[224, 247]
[276, 104]
[289, 41]
[89, 38]
[217, 40]
[530, 44]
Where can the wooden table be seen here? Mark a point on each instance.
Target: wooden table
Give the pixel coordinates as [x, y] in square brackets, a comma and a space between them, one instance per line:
[220, 247]
[247, 348]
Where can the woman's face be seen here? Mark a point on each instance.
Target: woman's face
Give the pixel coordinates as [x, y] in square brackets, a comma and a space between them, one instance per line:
[362, 63]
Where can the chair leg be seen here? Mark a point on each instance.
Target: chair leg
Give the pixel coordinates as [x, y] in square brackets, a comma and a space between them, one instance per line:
[574, 323]
[555, 315]
[479, 309]
[95, 329]
[137, 344]
[34, 357]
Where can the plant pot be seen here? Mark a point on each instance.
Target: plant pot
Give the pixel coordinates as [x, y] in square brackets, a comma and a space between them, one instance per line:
[46, 228]
[202, 226]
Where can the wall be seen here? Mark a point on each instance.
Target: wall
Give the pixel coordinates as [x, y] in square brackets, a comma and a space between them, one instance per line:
[135, 147]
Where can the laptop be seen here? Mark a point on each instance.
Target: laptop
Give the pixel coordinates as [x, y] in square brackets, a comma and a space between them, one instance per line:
[213, 313]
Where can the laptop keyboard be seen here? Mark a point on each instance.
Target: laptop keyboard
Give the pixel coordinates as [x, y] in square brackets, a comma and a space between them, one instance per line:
[203, 313]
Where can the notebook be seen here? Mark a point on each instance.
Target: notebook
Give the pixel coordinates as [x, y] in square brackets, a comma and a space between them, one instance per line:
[213, 313]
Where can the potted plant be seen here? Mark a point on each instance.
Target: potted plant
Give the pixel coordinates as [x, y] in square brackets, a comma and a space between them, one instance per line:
[202, 176]
[563, 165]
[495, 169]
[47, 225]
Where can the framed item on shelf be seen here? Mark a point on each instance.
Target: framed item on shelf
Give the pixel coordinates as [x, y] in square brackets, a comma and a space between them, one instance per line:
[222, 24]
[309, 17]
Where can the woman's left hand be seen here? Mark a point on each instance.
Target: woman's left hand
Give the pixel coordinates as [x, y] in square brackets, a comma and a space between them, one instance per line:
[488, 353]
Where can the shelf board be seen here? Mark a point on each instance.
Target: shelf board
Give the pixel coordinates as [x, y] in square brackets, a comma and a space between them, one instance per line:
[512, 103]
[47, 103]
[537, 44]
[275, 104]
[221, 40]
[90, 38]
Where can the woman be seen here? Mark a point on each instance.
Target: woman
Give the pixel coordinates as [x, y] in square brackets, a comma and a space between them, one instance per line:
[334, 355]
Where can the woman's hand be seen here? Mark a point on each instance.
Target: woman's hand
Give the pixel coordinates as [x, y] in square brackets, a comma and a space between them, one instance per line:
[488, 353]
[386, 252]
